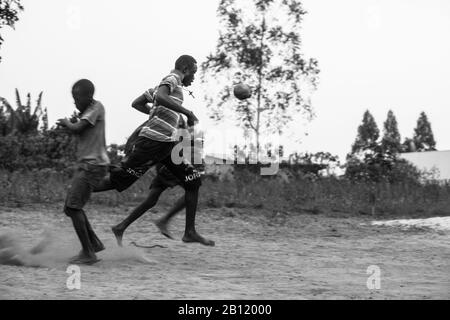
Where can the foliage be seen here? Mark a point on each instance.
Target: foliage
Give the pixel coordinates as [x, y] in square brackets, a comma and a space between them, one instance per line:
[423, 138]
[26, 143]
[391, 142]
[259, 44]
[9, 10]
[423, 135]
[368, 134]
[379, 166]
[375, 161]
[336, 196]
[22, 120]
[54, 148]
[408, 145]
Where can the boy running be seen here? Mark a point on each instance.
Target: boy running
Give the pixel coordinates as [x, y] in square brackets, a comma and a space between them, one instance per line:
[154, 140]
[92, 165]
[164, 180]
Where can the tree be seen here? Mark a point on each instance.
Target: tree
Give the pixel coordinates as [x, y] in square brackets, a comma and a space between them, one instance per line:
[5, 119]
[423, 135]
[9, 10]
[391, 141]
[378, 166]
[409, 145]
[22, 120]
[260, 45]
[368, 134]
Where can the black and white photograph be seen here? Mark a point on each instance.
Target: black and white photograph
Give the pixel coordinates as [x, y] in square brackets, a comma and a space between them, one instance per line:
[249, 151]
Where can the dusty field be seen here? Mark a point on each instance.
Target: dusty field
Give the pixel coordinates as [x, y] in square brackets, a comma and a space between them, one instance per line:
[258, 255]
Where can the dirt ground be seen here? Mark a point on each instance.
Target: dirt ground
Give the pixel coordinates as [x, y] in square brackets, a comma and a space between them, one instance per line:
[258, 255]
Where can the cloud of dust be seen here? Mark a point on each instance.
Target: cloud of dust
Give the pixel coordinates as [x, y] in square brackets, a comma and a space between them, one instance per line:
[54, 249]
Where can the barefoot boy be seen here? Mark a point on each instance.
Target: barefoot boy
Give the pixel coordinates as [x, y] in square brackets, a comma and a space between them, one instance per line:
[164, 180]
[92, 165]
[155, 139]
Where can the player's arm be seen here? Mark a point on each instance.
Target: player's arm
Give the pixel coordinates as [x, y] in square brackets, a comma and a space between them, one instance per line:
[76, 127]
[140, 104]
[163, 98]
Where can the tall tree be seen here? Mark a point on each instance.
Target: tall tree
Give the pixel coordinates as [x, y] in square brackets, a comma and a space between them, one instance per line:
[9, 10]
[259, 44]
[368, 134]
[391, 141]
[423, 135]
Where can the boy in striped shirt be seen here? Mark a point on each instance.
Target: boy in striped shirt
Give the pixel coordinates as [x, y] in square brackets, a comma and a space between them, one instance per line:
[156, 138]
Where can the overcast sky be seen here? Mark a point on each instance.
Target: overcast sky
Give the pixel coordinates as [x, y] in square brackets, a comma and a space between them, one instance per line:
[375, 55]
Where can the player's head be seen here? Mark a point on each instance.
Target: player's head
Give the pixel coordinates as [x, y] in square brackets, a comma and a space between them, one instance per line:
[188, 66]
[83, 94]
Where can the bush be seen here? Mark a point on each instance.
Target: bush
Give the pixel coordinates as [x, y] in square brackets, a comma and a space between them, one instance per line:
[52, 149]
[302, 194]
[377, 166]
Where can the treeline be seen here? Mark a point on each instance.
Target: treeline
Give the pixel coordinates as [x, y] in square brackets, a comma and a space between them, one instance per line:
[28, 143]
[377, 158]
[36, 162]
[369, 135]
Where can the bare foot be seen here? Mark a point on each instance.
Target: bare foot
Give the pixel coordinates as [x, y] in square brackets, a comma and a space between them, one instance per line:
[99, 247]
[118, 233]
[162, 226]
[83, 258]
[195, 237]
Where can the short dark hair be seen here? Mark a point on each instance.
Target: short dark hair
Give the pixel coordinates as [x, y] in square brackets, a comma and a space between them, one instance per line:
[86, 86]
[185, 61]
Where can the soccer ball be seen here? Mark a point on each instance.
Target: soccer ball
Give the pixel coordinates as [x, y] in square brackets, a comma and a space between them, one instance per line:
[242, 91]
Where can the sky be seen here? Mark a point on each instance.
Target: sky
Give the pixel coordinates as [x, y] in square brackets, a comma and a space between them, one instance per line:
[373, 54]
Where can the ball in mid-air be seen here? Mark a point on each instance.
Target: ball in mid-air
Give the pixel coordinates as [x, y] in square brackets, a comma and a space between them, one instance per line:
[242, 91]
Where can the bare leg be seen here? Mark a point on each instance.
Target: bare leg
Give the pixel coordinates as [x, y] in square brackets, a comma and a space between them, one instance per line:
[163, 223]
[79, 220]
[97, 245]
[148, 203]
[190, 234]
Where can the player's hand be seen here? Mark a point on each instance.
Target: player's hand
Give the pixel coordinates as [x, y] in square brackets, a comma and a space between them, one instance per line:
[192, 119]
[63, 122]
[190, 123]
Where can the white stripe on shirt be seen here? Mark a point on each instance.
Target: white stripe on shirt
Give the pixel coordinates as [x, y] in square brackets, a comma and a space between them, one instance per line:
[159, 119]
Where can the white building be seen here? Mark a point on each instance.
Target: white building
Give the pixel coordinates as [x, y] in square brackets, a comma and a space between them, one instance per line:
[431, 160]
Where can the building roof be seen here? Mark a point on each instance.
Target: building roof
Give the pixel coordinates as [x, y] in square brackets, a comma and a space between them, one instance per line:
[428, 160]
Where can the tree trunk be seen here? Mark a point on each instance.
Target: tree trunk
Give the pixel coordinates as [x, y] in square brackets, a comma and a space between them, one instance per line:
[260, 79]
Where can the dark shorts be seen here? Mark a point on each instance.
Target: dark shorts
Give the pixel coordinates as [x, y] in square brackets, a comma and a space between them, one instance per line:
[164, 179]
[146, 153]
[86, 178]
[122, 180]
